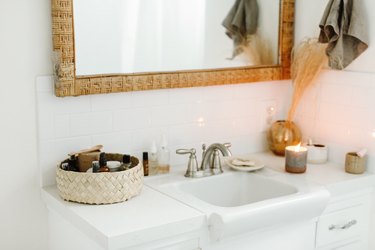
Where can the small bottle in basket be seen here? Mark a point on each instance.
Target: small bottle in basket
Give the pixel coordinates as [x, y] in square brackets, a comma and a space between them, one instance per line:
[95, 167]
[103, 163]
[126, 163]
[72, 164]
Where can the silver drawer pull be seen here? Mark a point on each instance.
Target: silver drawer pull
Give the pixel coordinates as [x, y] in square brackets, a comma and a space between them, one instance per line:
[343, 227]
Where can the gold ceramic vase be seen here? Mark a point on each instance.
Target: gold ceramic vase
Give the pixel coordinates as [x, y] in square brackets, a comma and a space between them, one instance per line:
[281, 134]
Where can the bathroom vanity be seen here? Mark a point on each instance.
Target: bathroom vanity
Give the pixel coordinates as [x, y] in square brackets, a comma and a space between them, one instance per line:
[329, 209]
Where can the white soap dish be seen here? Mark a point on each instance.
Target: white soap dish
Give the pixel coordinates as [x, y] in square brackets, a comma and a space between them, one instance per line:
[244, 163]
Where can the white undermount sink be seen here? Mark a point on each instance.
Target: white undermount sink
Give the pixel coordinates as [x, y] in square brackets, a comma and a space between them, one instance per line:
[239, 202]
[232, 190]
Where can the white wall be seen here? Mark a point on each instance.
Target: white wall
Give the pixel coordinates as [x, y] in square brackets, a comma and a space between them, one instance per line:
[25, 46]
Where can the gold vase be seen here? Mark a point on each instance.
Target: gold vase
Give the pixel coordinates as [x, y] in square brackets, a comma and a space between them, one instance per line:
[282, 134]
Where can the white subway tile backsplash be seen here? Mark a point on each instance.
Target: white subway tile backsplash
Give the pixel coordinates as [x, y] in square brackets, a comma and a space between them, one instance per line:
[142, 138]
[185, 95]
[133, 118]
[358, 117]
[308, 126]
[245, 126]
[120, 142]
[332, 112]
[338, 111]
[246, 91]
[45, 124]
[217, 93]
[91, 123]
[113, 101]
[61, 125]
[271, 90]
[242, 108]
[171, 115]
[336, 93]
[363, 97]
[186, 133]
[63, 105]
[150, 98]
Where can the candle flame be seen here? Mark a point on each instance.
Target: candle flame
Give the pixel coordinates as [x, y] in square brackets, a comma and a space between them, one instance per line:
[297, 147]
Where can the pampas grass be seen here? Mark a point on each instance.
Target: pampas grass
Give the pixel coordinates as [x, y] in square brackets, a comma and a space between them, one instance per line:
[257, 50]
[308, 59]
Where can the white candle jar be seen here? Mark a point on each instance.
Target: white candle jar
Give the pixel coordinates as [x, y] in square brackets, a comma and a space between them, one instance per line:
[318, 153]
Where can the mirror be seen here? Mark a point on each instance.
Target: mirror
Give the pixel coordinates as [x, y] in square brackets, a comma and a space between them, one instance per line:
[136, 36]
[81, 69]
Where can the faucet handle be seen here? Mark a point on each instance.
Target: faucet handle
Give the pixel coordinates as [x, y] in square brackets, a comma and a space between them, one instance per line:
[183, 151]
[192, 168]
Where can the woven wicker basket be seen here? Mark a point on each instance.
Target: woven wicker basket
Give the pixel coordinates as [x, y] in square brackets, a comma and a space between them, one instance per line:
[100, 188]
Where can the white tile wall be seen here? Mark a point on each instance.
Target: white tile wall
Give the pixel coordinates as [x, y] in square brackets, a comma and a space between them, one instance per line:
[128, 122]
[340, 112]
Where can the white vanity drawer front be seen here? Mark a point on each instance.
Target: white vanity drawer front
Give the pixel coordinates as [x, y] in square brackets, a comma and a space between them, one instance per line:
[341, 225]
[352, 246]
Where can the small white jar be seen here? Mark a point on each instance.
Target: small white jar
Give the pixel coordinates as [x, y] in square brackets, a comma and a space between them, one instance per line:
[114, 166]
[317, 153]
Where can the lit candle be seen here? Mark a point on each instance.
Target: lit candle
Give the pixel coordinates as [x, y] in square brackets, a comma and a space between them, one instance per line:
[295, 159]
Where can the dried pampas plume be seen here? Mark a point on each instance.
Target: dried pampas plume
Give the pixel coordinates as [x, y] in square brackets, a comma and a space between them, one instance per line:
[308, 59]
[257, 50]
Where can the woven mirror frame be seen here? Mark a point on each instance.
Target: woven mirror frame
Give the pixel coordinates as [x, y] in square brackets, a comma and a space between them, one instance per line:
[67, 83]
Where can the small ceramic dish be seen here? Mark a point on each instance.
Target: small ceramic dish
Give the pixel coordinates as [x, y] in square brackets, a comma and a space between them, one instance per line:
[249, 163]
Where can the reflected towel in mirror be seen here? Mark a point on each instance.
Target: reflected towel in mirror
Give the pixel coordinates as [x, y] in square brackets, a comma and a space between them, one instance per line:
[241, 21]
[344, 28]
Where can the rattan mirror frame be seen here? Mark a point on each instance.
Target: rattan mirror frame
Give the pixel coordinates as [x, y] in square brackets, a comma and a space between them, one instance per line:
[68, 84]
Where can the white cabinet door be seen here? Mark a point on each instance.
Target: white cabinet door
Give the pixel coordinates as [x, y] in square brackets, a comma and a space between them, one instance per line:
[341, 225]
[345, 225]
[352, 246]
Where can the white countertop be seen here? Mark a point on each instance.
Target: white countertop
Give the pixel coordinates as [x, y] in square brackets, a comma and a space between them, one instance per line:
[158, 216]
[329, 175]
[149, 216]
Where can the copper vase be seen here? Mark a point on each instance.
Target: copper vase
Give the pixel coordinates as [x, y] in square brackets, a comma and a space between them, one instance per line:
[281, 134]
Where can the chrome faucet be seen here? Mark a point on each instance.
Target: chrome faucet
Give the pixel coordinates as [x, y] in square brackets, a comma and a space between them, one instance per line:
[211, 163]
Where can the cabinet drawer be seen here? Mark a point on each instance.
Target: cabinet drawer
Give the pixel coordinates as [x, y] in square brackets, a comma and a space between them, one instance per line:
[342, 225]
[352, 246]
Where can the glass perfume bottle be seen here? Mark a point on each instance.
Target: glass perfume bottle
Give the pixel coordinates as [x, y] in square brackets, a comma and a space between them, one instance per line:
[164, 157]
[153, 159]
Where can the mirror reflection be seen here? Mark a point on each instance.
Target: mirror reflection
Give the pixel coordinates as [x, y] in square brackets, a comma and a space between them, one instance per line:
[135, 36]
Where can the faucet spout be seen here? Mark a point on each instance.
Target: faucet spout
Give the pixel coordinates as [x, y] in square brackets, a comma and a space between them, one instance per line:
[207, 157]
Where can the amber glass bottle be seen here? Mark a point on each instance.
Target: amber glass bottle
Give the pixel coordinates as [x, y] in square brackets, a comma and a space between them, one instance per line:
[103, 163]
[145, 163]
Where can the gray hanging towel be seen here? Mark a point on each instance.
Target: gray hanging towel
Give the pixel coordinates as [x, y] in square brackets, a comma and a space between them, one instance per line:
[344, 28]
[241, 21]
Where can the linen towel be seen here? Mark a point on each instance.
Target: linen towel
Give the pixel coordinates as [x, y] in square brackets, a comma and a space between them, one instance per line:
[241, 21]
[344, 28]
